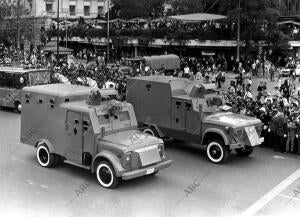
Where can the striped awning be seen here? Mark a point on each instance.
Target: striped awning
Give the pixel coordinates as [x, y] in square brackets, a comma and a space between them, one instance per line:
[199, 17]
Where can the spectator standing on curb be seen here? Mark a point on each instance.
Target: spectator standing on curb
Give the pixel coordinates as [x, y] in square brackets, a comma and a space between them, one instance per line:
[272, 72]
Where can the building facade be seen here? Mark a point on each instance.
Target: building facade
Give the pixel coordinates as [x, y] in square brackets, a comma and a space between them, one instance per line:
[70, 9]
[289, 7]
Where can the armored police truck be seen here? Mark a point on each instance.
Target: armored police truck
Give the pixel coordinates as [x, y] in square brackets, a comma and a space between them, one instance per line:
[86, 127]
[180, 108]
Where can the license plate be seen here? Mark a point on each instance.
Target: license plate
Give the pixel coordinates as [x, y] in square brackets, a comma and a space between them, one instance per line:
[252, 136]
[149, 171]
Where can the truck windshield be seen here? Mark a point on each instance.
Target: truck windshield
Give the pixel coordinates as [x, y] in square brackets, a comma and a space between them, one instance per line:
[214, 101]
[116, 121]
[209, 103]
[39, 77]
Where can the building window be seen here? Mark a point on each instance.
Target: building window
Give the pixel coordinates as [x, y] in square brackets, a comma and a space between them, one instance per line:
[100, 10]
[86, 10]
[49, 7]
[72, 10]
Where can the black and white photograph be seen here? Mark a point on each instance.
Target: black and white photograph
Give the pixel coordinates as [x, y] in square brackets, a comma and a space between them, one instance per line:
[150, 108]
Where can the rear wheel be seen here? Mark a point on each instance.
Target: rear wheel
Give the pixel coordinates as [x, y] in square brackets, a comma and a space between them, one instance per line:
[106, 175]
[216, 151]
[44, 157]
[151, 131]
[244, 151]
[17, 107]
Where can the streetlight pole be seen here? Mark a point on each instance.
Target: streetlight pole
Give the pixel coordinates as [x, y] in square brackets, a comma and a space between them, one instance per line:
[238, 33]
[107, 32]
[18, 24]
[57, 39]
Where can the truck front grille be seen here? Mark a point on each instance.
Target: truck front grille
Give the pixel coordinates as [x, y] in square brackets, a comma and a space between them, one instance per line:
[147, 156]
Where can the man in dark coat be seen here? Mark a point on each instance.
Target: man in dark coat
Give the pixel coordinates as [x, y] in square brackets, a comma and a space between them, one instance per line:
[281, 131]
[273, 128]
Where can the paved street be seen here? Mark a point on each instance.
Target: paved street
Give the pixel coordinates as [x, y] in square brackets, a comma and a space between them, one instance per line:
[267, 183]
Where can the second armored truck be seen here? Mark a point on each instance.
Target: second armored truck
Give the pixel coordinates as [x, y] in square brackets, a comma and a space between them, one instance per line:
[179, 108]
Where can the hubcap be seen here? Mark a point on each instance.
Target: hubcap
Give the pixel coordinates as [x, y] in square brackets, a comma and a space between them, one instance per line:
[215, 152]
[43, 155]
[105, 175]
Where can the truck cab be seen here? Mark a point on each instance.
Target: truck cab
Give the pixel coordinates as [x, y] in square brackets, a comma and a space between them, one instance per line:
[86, 127]
[184, 110]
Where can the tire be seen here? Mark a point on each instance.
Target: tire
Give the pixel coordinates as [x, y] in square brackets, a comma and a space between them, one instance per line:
[106, 175]
[244, 152]
[151, 131]
[216, 151]
[17, 107]
[44, 157]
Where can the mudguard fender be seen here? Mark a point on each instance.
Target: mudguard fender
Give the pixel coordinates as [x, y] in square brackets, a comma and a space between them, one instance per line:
[47, 142]
[217, 131]
[112, 158]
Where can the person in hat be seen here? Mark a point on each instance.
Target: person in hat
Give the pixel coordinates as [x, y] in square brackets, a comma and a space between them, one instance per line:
[265, 119]
[291, 128]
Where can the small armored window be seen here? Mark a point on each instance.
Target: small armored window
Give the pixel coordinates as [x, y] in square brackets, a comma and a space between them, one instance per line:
[40, 101]
[76, 121]
[124, 116]
[178, 103]
[86, 123]
[51, 101]
[51, 106]
[103, 119]
[27, 101]
[67, 100]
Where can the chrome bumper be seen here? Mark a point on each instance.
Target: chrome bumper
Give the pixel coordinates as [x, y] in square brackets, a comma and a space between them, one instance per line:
[146, 171]
[243, 144]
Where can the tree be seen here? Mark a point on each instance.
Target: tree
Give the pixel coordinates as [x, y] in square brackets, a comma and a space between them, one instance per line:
[9, 14]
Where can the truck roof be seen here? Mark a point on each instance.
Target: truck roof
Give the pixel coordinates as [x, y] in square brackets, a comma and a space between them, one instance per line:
[180, 87]
[77, 106]
[60, 90]
[18, 70]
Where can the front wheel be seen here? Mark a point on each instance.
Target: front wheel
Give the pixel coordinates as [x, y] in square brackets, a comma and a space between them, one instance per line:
[106, 175]
[216, 151]
[244, 151]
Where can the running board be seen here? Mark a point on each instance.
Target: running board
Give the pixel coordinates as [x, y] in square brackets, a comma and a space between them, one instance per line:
[77, 165]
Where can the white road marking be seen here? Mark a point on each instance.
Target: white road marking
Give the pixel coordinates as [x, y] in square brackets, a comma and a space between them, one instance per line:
[254, 208]
[44, 186]
[279, 157]
[289, 197]
[30, 182]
